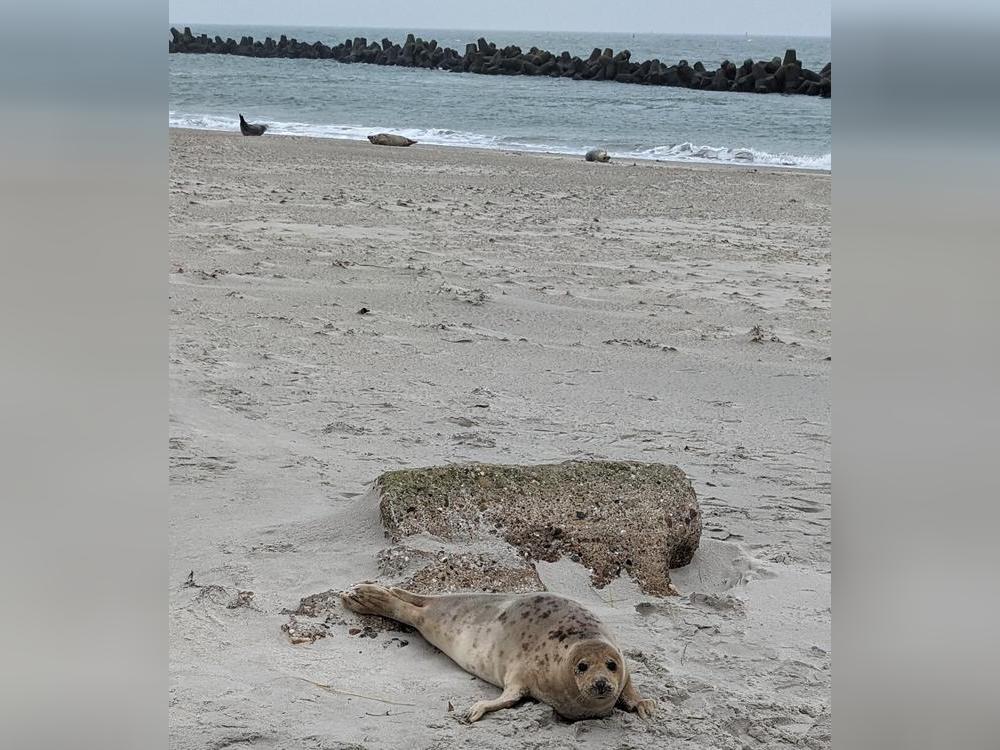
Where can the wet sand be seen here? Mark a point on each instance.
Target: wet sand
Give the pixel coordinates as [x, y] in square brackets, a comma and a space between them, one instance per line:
[520, 309]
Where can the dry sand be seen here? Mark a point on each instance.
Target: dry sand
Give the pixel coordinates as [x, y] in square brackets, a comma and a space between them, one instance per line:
[522, 308]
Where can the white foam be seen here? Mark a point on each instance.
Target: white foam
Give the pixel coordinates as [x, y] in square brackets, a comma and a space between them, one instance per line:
[683, 152]
[711, 154]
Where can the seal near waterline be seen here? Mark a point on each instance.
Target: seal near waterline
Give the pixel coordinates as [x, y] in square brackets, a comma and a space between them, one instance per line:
[390, 139]
[597, 154]
[248, 128]
[539, 646]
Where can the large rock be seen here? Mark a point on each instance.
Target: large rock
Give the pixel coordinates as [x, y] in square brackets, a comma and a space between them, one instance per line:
[719, 81]
[744, 83]
[792, 77]
[610, 516]
[766, 85]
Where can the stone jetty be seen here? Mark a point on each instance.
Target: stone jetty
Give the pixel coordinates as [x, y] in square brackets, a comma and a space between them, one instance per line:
[779, 75]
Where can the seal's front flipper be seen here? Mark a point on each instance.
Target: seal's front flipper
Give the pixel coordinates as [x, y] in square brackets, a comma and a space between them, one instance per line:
[630, 700]
[512, 694]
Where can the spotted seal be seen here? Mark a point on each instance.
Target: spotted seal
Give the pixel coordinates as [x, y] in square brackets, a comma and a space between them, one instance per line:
[539, 646]
[248, 128]
[390, 139]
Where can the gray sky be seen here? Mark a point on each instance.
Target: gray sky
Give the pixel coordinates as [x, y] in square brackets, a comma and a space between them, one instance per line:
[758, 17]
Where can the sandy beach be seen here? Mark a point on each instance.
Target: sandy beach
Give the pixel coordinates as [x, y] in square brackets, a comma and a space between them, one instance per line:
[518, 308]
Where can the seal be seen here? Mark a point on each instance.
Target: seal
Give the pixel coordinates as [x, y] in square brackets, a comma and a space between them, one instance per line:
[539, 646]
[597, 154]
[390, 139]
[250, 129]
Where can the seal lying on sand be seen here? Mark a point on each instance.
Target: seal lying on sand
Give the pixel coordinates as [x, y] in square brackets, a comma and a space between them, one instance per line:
[390, 139]
[539, 646]
[597, 154]
[250, 129]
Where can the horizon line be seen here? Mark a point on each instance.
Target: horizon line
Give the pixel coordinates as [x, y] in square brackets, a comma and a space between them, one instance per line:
[530, 31]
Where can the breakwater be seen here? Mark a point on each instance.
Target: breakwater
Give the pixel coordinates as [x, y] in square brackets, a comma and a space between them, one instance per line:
[778, 75]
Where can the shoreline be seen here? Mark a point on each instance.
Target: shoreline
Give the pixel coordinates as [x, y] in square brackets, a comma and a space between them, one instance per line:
[777, 168]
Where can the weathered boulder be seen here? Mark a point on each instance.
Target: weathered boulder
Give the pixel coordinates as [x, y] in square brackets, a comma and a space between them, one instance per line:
[671, 76]
[719, 81]
[684, 72]
[791, 77]
[610, 516]
[745, 83]
[766, 85]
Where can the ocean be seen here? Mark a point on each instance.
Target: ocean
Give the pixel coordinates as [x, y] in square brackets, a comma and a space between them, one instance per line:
[327, 99]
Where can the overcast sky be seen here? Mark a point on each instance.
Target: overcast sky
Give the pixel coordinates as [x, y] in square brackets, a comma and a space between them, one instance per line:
[758, 17]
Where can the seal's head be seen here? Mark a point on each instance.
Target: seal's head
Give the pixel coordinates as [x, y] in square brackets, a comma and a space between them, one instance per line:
[373, 139]
[598, 669]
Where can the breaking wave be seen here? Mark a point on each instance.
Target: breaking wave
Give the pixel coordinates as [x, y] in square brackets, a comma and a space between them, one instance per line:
[681, 152]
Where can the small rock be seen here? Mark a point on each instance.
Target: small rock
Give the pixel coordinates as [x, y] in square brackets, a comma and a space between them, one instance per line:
[299, 632]
[243, 599]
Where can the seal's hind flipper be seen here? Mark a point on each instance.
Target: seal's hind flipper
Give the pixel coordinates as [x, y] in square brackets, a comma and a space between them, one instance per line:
[408, 596]
[372, 599]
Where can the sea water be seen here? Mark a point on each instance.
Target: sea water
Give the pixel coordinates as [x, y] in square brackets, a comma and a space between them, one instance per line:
[324, 98]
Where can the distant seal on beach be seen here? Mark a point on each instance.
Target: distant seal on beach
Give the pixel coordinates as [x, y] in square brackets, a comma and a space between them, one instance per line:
[390, 139]
[597, 154]
[540, 646]
[250, 129]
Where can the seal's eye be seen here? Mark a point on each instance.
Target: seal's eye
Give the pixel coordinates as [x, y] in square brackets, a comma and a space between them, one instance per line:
[582, 666]
[611, 666]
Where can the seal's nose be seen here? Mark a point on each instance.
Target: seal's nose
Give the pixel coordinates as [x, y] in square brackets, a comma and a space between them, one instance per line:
[602, 686]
